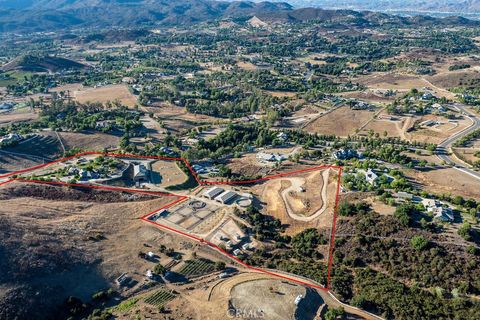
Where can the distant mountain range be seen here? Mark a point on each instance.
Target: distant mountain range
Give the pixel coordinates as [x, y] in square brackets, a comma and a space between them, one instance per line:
[452, 6]
[49, 15]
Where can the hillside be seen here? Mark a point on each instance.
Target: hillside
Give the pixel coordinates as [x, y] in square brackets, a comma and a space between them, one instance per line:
[41, 64]
[459, 6]
[364, 18]
[47, 15]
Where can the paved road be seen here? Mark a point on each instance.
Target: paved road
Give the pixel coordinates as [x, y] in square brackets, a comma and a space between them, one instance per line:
[443, 148]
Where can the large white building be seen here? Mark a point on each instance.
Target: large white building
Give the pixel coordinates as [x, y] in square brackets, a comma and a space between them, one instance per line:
[226, 197]
[438, 210]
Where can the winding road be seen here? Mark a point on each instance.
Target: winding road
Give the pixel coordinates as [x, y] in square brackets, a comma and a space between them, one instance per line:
[296, 187]
[443, 149]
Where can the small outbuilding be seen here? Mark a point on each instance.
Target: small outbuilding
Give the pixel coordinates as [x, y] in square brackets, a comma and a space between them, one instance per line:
[140, 173]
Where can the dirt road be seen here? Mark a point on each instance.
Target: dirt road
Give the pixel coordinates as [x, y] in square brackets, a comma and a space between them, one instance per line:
[296, 185]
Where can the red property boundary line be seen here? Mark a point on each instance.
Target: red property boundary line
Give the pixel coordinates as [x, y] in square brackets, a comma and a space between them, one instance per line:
[181, 198]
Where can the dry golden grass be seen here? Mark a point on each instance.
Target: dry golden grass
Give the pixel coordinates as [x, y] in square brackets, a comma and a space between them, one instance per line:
[105, 94]
[341, 122]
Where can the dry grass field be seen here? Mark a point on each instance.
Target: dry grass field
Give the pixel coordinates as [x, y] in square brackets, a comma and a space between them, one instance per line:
[393, 127]
[96, 141]
[448, 180]
[467, 154]
[454, 79]
[281, 94]
[392, 81]
[247, 66]
[177, 118]
[105, 94]
[341, 122]
[16, 116]
[403, 83]
[368, 95]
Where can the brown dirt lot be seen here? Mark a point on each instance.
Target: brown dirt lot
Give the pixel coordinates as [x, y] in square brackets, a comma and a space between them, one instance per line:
[273, 297]
[105, 94]
[281, 94]
[17, 116]
[247, 66]
[303, 203]
[393, 128]
[169, 173]
[341, 122]
[369, 96]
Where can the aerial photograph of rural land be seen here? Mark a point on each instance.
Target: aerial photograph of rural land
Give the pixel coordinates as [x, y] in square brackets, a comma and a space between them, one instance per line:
[231, 159]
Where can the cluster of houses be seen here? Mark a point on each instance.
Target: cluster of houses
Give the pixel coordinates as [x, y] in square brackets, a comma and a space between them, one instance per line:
[168, 151]
[360, 105]
[84, 174]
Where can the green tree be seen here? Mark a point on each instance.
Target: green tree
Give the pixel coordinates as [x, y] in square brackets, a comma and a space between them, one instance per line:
[465, 231]
[334, 313]
[159, 269]
[419, 243]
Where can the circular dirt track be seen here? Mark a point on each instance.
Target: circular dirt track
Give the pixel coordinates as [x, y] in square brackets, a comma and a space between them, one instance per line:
[273, 299]
[196, 204]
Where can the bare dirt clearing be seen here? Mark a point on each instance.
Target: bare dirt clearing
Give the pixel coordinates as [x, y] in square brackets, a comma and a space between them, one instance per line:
[177, 118]
[274, 299]
[247, 66]
[16, 116]
[167, 173]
